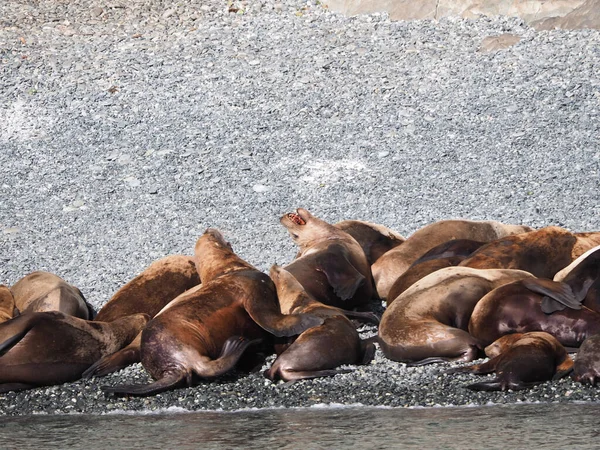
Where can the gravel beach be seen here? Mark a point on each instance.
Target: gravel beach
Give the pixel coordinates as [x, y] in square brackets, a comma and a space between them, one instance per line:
[129, 126]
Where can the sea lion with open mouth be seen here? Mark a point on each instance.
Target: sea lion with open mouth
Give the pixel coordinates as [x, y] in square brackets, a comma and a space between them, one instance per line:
[319, 350]
[330, 265]
[204, 332]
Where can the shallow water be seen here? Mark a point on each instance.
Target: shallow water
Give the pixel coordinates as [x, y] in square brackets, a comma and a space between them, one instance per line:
[514, 426]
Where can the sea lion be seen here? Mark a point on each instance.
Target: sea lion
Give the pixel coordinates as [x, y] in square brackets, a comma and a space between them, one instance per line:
[203, 334]
[330, 264]
[319, 350]
[151, 290]
[46, 348]
[587, 362]
[521, 361]
[394, 263]
[428, 322]
[533, 305]
[448, 254]
[43, 291]
[542, 252]
[7, 304]
[374, 239]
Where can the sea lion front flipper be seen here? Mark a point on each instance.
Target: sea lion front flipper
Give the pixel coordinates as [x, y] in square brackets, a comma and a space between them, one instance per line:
[119, 360]
[368, 351]
[341, 274]
[169, 381]
[19, 327]
[268, 316]
[291, 375]
[554, 292]
[478, 369]
[564, 368]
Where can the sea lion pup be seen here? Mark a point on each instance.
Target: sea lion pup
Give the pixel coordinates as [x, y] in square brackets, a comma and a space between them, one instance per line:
[448, 254]
[542, 252]
[428, 322]
[7, 304]
[374, 239]
[153, 289]
[533, 305]
[203, 333]
[330, 264]
[587, 362]
[521, 360]
[43, 291]
[46, 348]
[394, 263]
[318, 350]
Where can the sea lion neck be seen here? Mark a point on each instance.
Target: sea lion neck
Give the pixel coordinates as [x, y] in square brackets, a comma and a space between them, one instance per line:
[290, 293]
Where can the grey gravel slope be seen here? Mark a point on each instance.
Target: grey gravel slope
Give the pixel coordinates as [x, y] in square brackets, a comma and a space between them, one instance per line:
[127, 128]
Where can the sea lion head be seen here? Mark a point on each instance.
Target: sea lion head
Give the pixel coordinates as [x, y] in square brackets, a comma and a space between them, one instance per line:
[502, 344]
[215, 239]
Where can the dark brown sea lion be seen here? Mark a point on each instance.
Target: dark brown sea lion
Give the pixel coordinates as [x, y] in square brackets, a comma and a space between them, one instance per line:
[7, 304]
[374, 239]
[587, 362]
[46, 348]
[203, 333]
[151, 290]
[448, 254]
[318, 350]
[521, 361]
[394, 263]
[428, 322]
[330, 264]
[43, 291]
[519, 307]
[542, 252]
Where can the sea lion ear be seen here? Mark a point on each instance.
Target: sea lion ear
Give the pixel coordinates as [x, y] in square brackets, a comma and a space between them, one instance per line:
[557, 295]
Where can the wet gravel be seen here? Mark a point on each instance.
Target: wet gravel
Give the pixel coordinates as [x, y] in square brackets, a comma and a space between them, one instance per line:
[128, 127]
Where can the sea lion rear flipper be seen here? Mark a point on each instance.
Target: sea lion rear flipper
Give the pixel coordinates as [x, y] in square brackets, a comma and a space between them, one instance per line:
[291, 375]
[268, 316]
[170, 381]
[341, 274]
[555, 292]
[230, 354]
[118, 360]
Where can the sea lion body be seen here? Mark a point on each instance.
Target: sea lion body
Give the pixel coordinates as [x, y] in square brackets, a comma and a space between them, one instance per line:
[522, 361]
[7, 304]
[374, 239]
[516, 308]
[542, 252]
[319, 350]
[203, 332]
[395, 262]
[43, 291]
[331, 265]
[429, 320]
[47, 348]
[153, 289]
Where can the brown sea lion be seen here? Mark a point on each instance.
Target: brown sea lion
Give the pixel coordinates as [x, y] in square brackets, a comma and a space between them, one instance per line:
[203, 334]
[46, 348]
[587, 362]
[394, 263]
[318, 350]
[428, 322]
[521, 361]
[448, 254]
[374, 239]
[43, 291]
[520, 307]
[7, 304]
[151, 290]
[330, 264]
[542, 252]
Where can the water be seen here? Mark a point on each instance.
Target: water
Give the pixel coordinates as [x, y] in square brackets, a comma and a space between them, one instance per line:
[501, 427]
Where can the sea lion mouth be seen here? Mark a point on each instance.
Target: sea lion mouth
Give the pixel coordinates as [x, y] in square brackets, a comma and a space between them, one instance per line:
[296, 219]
